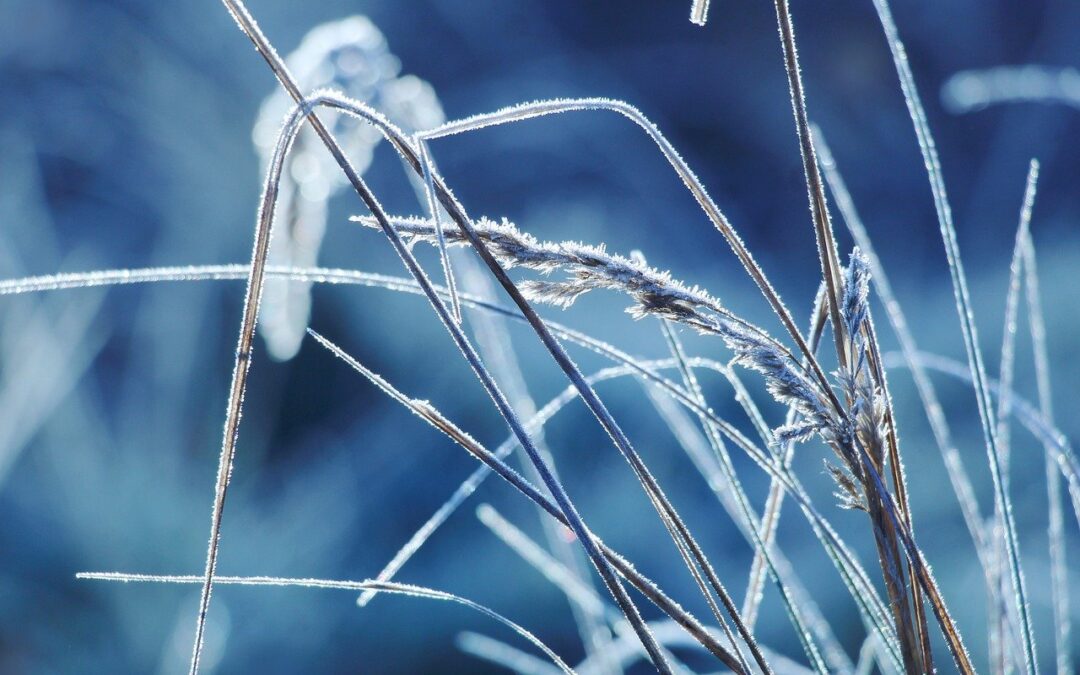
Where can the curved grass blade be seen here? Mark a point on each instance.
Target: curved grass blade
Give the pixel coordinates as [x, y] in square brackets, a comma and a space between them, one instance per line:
[377, 586]
[525, 111]
[967, 322]
[1000, 620]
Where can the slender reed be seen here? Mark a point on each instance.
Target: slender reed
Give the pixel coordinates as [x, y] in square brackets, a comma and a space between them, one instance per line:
[241, 366]
[1059, 571]
[672, 520]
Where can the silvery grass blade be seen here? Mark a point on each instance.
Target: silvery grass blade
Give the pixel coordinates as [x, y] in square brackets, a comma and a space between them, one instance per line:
[378, 586]
[1059, 571]
[1059, 446]
[245, 345]
[815, 190]
[434, 209]
[250, 28]
[851, 572]
[563, 578]
[429, 414]
[1012, 305]
[973, 90]
[503, 655]
[241, 365]
[1000, 621]
[967, 323]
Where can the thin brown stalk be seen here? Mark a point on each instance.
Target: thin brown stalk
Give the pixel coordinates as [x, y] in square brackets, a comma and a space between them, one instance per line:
[896, 469]
[819, 210]
[914, 644]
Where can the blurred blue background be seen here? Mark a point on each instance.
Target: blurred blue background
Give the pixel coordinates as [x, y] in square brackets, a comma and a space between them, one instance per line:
[126, 141]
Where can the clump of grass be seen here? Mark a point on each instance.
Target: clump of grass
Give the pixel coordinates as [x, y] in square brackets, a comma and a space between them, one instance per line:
[850, 410]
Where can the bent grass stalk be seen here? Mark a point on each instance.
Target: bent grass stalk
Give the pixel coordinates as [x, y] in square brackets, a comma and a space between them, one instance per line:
[1059, 571]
